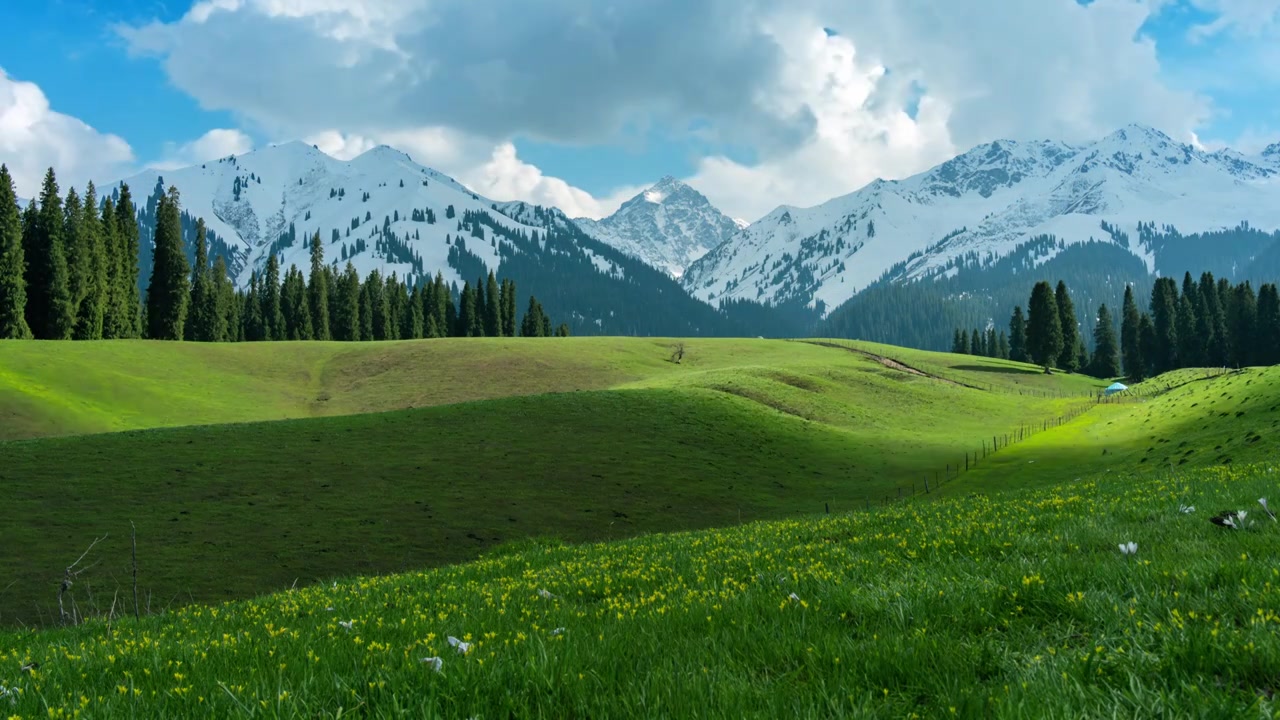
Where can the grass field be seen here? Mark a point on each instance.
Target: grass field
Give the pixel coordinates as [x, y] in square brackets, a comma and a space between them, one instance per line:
[740, 431]
[1021, 606]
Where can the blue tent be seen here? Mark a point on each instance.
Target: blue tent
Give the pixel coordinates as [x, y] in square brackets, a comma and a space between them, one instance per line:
[1114, 388]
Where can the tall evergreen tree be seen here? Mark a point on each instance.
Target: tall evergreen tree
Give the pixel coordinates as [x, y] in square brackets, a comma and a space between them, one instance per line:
[468, 320]
[1164, 316]
[50, 313]
[1044, 327]
[1130, 345]
[253, 327]
[79, 254]
[1018, 336]
[272, 316]
[294, 307]
[202, 308]
[169, 291]
[451, 313]
[223, 320]
[509, 311]
[1068, 359]
[112, 318]
[1106, 348]
[977, 344]
[992, 345]
[1189, 352]
[1213, 317]
[1148, 345]
[1243, 319]
[128, 244]
[492, 308]
[411, 322]
[1002, 346]
[366, 311]
[960, 343]
[318, 291]
[1268, 325]
[380, 307]
[13, 281]
[92, 305]
[346, 314]
[482, 312]
[532, 325]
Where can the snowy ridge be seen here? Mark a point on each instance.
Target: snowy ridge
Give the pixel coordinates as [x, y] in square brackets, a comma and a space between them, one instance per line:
[381, 210]
[668, 226]
[987, 201]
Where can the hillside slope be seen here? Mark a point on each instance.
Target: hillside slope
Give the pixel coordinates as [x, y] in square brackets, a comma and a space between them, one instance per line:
[973, 607]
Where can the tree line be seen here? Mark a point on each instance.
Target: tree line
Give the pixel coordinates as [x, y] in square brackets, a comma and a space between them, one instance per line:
[1210, 323]
[69, 270]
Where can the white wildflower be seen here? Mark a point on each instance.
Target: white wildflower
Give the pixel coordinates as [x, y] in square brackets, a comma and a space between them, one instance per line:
[346, 624]
[1263, 503]
[462, 647]
[1129, 548]
[545, 595]
[434, 663]
[558, 631]
[794, 597]
[1187, 509]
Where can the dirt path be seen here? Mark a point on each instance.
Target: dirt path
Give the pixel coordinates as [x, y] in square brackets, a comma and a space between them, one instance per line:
[893, 364]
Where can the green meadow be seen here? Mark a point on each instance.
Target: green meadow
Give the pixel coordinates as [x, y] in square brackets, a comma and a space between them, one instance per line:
[615, 534]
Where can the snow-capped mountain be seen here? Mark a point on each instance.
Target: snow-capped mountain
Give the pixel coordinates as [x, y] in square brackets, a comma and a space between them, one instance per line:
[382, 211]
[985, 203]
[669, 226]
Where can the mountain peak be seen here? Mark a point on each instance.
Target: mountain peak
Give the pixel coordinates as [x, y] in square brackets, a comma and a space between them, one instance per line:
[1272, 151]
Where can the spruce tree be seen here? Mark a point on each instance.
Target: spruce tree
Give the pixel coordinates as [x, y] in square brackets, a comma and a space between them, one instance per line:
[1243, 319]
[1044, 327]
[1148, 346]
[960, 342]
[441, 310]
[346, 314]
[272, 317]
[1069, 358]
[509, 311]
[13, 282]
[50, 314]
[467, 311]
[1018, 336]
[202, 308]
[1268, 325]
[1106, 349]
[222, 302]
[252, 326]
[1213, 317]
[531, 326]
[128, 244]
[562, 330]
[1164, 316]
[411, 323]
[318, 292]
[1002, 346]
[379, 308]
[169, 291]
[992, 345]
[295, 307]
[478, 323]
[451, 321]
[79, 254]
[92, 306]
[493, 308]
[113, 263]
[1130, 345]
[1082, 354]
[1190, 351]
[976, 343]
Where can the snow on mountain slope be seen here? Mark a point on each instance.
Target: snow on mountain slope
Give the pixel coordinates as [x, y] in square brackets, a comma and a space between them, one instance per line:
[668, 226]
[986, 202]
[380, 210]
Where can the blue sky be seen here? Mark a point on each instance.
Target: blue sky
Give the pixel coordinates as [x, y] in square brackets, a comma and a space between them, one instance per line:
[580, 108]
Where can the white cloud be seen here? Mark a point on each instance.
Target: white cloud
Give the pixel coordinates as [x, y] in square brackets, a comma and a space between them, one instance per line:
[215, 144]
[1243, 17]
[822, 116]
[34, 137]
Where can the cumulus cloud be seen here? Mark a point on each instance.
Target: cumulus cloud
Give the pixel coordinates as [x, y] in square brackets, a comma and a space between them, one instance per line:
[34, 137]
[1244, 17]
[898, 88]
[215, 144]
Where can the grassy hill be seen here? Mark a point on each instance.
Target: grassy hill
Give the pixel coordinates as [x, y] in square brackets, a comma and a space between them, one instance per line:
[1016, 607]
[739, 431]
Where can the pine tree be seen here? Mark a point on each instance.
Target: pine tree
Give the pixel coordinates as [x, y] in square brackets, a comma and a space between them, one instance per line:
[1164, 316]
[411, 322]
[92, 306]
[509, 312]
[477, 327]
[49, 311]
[1191, 341]
[13, 282]
[1068, 359]
[294, 306]
[1044, 327]
[1018, 336]
[366, 312]
[562, 330]
[492, 308]
[1130, 340]
[128, 244]
[222, 301]
[1106, 349]
[1148, 345]
[1213, 317]
[451, 319]
[1243, 320]
[960, 343]
[318, 292]
[531, 326]
[992, 346]
[79, 254]
[380, 307]
[169, 291]
[202, 307]
[976, 343]
[1268, 325]
[346, 313]
[272, 316]
[1082, 359]
[113, 264]
[1002, 346]
[467, 320]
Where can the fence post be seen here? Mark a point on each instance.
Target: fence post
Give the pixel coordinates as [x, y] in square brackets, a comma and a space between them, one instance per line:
[926, 485]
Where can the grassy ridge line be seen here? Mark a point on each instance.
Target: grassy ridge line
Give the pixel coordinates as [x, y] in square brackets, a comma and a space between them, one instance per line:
[973, 607]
